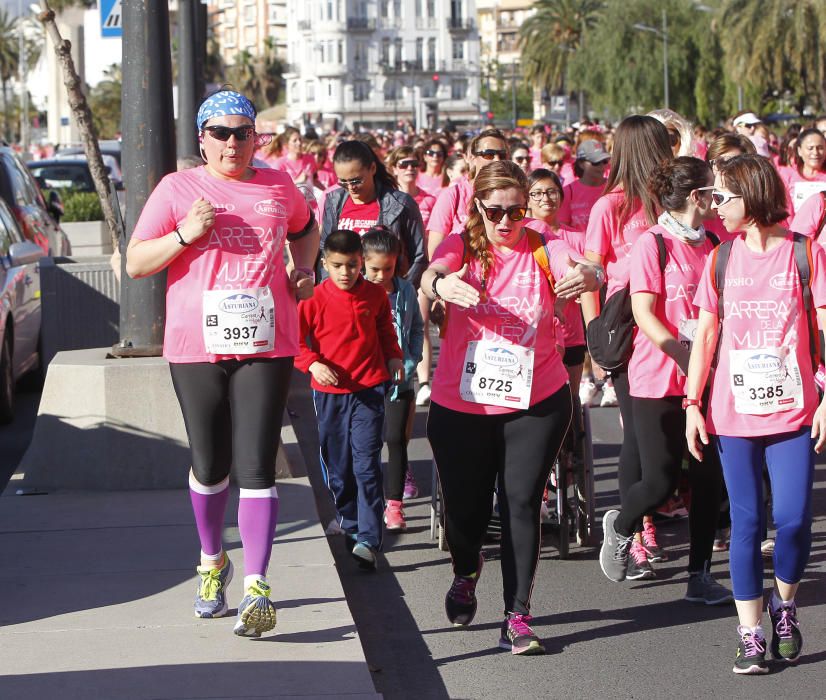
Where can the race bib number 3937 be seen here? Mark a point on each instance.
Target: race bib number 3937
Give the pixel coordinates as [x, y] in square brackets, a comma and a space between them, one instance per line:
[238, 321]
[765, 381]
[497, 374]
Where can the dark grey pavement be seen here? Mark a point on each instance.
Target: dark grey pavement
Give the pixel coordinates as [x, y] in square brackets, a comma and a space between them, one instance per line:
[605, 640]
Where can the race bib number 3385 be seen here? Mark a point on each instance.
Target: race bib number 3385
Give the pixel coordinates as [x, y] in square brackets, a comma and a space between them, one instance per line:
[238, 321]
[765, 381]
[497, 374]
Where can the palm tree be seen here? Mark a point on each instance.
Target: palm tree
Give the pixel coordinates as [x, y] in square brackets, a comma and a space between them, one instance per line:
[271, 69]
[243, 75]
[548, 38]
[9, 62]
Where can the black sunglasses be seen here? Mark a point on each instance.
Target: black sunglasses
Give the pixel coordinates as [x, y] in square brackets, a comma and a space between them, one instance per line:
[222, 133]
[405, 164]
[520, 159]
[435, 154]
[491, 153]
[496, 214]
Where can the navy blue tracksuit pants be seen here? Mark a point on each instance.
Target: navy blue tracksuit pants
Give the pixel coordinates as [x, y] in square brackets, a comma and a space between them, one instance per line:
[350, 438]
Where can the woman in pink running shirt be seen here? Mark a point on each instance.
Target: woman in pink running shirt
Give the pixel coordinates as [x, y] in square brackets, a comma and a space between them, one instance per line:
[231, 334]
[298, 165]
[721, 149]
[583, 193]
[662, 302]
[432, 177]
[808, 177]
[764, 409]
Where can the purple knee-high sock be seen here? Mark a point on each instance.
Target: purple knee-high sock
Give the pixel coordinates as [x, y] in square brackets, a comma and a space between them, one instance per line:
[257, 518]
[209, 504]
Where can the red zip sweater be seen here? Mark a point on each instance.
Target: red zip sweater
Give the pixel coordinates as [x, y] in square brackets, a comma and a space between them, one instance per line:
[351, 331]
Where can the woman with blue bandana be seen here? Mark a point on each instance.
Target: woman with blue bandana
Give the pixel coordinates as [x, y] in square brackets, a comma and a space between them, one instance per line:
[219, 231]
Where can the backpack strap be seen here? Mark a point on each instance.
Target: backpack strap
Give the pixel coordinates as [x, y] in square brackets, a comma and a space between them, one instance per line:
[822, 221]
[719, 263]
[715, 241]
[539, 248]
[803, 262]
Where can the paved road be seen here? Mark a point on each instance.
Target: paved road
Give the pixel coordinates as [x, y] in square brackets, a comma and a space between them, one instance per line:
[605, 640]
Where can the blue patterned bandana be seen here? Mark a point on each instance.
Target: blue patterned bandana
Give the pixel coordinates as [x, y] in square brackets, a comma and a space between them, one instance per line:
[222, 104]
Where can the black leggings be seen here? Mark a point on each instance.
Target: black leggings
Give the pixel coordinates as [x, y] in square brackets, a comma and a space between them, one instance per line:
[659, 433]
[396, 415]
[233, 411]
[628, 469]
[471, 451]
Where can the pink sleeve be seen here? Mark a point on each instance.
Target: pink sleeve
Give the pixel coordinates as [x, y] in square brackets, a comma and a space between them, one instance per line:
[441, 217]
[299, 211]
[706, 296]
[598, 232]
[818, 275]
[160, 214]
[450, 253]
[645, 266]
[575, 239]
[808, 216]
[559, 252]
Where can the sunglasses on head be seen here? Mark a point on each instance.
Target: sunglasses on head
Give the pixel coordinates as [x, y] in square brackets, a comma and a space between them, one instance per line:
[222, 133]
[352, 182]
[720, 198]
[491, 153]
[406, 164]
[496, 214]
[435, 154]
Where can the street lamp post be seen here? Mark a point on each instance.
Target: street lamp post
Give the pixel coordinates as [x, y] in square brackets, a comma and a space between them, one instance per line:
[663, 34]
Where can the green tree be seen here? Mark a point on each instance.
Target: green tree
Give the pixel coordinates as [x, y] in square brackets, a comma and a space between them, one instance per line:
[243, 76]
[9, 61]
[271, 69]
[105, 102]
[549, 38]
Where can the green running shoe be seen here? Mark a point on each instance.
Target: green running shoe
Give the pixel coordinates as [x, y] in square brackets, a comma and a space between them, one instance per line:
[211, 594]
[256, 613]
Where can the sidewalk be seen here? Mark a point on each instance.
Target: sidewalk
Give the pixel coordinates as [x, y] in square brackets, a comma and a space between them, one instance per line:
[97, 596]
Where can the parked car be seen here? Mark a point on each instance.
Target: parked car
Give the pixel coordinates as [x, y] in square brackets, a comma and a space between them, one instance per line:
[19, 308]
[62, 174]
[107, 148]
[109, 161]
[38, 219]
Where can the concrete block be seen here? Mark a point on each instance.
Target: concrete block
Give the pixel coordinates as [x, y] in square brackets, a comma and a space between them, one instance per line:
[88, 237]
[113, 424]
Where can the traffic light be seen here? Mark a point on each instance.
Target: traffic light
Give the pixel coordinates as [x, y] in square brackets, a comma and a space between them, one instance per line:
[435, 77]
[489, 115]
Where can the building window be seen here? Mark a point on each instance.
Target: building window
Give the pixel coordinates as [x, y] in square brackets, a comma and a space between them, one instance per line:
[385, 52]
[249, 15]
[340, 52]
[429, 88]
[309, 90]
[431, 8]
[458, 89]
[330, 9]
[392, 90]
[329, 88]
[397, 9]
[294, 97]
[418, 8]
[273, 15]
[431, 53]
[384, 8]
[419, 51]
[397, 51]
[361, 91]
[458, 50]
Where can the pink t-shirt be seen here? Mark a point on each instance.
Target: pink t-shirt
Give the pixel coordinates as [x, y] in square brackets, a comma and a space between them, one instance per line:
[306, 165]
[518, 310]
[566, 172]
[358, 217]
[432, 184]
[243, 250]
[651, 373]
[573, 330]
[326, 175]
[800, 188]
[426, 203]
[763, 307]
[577, 203]
[536, 158]
[450, 212]
[604, 236]
[807, 218]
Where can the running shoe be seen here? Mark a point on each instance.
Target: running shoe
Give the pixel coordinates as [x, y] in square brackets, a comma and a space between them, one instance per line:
[256, 613]
[460, 601]
[638, 567]
[411, 490]
[365, 555]
[211, 594]
[613, 556]
[672, 509]
[518, 636]
[423, 395]
[587, 391]
[653, 551]
[702, 588]
[721, 539]
[394, 516]
[751, 652]
[787, 641]
[609, 396]
[767, 548]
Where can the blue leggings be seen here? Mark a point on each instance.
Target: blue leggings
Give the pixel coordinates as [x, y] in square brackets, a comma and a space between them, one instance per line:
[790, 461]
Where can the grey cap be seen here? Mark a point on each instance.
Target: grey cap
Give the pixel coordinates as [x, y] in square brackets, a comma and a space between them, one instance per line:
[593, 151]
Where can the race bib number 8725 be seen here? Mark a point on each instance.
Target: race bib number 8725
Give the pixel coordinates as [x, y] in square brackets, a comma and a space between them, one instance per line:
[497, 374]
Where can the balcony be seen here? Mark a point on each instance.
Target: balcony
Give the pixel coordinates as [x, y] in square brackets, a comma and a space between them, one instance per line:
[304, 25]
[460, 24]
[330, 70]
[361, 24]
[426, 23]
[402, 68]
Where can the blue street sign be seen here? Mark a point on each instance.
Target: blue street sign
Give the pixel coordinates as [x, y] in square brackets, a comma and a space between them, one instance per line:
[111, 18]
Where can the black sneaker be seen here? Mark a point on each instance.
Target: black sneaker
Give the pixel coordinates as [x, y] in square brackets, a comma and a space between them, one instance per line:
[751, 653]
[518, 636]
[787, 641]
[638, 566]
[460, 601]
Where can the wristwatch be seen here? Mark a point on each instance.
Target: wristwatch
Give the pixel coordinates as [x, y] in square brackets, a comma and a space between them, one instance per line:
[439, 276]
[691, 402]
[600, 274]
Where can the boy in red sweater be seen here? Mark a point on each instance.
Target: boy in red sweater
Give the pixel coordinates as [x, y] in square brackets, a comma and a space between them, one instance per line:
[349, 346]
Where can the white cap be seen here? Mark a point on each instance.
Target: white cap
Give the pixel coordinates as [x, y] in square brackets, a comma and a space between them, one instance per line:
[746, 119]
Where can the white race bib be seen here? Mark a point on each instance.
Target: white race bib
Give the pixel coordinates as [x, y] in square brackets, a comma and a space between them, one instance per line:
[801, 191]
[497, 374]
[765, 381]
[239, 321]
[687, 332]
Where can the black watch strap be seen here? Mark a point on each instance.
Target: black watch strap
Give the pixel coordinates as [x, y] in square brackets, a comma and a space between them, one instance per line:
[439, 276]
[180, 238]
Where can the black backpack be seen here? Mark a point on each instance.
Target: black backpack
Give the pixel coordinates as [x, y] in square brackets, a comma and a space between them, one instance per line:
[610, 335]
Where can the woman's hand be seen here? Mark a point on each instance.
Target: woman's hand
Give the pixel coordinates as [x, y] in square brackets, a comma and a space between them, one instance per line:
[302, 282]
[453, 289]
[199, 220]
[695, 432]
[819, 427]
[580, 278]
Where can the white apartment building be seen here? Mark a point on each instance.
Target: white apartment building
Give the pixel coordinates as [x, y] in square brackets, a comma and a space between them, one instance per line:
[378, 62]
[244, 25]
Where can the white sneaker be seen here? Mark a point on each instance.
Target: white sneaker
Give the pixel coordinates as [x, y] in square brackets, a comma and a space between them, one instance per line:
[587, 392]
[609, 396]
[423, 396]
